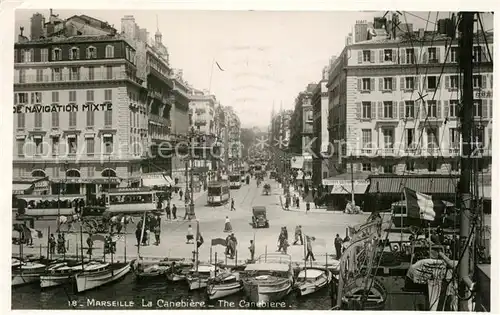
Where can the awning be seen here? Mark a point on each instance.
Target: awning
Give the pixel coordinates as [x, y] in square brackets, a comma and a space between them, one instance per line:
[346, 187]
[20, 189]
[159, 181]
[340, 179]
[422, 184]
[52, 197]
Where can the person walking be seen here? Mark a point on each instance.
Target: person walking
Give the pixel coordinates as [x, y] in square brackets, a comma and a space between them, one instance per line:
[138, 234]
[234, 243]
[251, 248]
[308, 207]
[90, 244]
[285, 233]
[61, 244]
[180, 194]
[227, 226]
[157, 230]
[168, 212]
[298, 235]
[338, 246]
[310, 253]
[174, 212]
[52, 244]
[297, 202]
[232, 205]
[281, 240]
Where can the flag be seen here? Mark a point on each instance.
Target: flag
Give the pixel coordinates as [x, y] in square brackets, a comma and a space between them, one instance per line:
[218, 241]
[218, 65]
[419, 205]
[35, 233]
[199, 238]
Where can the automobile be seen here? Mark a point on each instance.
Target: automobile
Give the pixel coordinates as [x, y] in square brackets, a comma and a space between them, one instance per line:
[267, 189]
[259, 217]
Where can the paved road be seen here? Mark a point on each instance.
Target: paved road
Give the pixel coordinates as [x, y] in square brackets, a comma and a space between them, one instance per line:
[323, 226]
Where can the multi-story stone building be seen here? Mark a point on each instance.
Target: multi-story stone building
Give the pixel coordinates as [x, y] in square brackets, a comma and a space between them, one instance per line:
[280, 130]
[301, 133]
[72, 106]
[320, 147]
[232, 138]
[394, 106]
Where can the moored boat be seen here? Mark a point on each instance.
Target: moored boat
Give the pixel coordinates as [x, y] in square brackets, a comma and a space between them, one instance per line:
[61, 273]
[26, 272]
[224, 284]
[310, 280]
[269, 279]
[198, 277]
[97, 275]
[143, 272]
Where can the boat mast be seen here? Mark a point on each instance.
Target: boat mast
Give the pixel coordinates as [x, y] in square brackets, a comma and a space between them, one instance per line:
[142, 235]
[196, 245]
[466, 119]
[81, 246]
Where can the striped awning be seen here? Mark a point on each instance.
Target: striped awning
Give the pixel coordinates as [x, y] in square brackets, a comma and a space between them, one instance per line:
[20, 188]
[422, 184]
[159, 181]
[346, 188]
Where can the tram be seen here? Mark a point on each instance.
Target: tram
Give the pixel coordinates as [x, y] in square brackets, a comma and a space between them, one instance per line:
[132, 200]
[234, 181]
[218, 192]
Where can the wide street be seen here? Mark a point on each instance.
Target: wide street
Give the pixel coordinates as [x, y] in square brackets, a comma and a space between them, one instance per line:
[322, 225]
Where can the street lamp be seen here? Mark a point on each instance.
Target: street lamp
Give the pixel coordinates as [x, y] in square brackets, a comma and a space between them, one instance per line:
[189, 180]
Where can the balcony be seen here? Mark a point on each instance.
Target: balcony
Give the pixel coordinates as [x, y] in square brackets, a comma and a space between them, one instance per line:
[69, 78]
[158, 120]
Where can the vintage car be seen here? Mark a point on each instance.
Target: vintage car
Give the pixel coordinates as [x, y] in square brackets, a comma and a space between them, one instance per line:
[267, 189]
[259, 218]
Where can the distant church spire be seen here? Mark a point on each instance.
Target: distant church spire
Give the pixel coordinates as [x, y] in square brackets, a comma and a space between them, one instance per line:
[157, 34]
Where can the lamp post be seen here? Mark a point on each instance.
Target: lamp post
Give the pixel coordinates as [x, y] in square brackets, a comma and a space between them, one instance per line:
[189, 161]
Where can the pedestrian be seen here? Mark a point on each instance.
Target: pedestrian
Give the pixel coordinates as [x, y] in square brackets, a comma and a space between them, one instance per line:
[174, 212]
[52, 244]
[338, 246]
[281, 239]
[308, 207]
[285, 245]
[297, 202]
[186, 212]
[189, 236]
[61, 244]
[180, 194]
[234, 243]
[232, 205]
[229, 247]
[90, 244]
[157, 233]
[287, 203]
[298, 235]
[227, 226]
[309, 254]
[138, 234]
[285, 233]
[251, 248]
[167, 210]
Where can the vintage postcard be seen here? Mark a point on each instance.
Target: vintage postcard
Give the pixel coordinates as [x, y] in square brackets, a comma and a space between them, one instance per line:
[282, 160]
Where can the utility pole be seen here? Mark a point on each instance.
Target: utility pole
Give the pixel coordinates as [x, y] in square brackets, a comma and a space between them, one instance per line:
[466, 64]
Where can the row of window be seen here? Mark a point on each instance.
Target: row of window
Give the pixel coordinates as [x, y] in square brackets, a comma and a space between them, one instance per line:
[39, 147]
[28, 55]
[431, 82]
[411, 55]
[432, 136]
[36, 97]
[71, 116]
[74, 74]
[431, 165]
[411, 109]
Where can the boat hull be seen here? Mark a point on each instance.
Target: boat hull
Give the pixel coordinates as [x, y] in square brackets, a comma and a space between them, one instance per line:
[87, 281]
[175, 277]
[217, 291]
[54, 280]
[306, 288]
[196, 283]
[267, 293]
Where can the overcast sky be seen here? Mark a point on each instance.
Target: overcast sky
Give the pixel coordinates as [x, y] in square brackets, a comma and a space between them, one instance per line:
[267, 57]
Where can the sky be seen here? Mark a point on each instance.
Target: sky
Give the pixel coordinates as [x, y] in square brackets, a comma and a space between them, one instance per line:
[249, 60]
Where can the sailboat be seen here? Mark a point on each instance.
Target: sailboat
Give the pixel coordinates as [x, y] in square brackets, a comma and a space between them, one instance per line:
[25, 272]
[224, 284]
[197, 277]
[99, 273]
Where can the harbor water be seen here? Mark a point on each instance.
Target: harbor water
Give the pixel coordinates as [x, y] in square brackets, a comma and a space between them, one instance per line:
[157, 294]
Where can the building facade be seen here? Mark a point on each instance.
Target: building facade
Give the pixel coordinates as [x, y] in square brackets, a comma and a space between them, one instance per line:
[232, 138]
[320, 130]
[301, 137]
[72, 99]
[394, 105]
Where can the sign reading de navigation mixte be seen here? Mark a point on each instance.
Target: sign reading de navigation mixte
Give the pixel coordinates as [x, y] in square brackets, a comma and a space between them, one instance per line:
[19, 109]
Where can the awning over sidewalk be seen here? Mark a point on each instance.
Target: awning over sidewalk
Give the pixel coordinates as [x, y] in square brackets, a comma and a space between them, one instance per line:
[346, 187]
[341, 178]
[36, 198]
[21, 188]
[424, 184]
[158, 180]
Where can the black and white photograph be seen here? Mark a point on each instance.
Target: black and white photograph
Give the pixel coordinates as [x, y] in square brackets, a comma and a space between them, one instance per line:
[251, 159]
